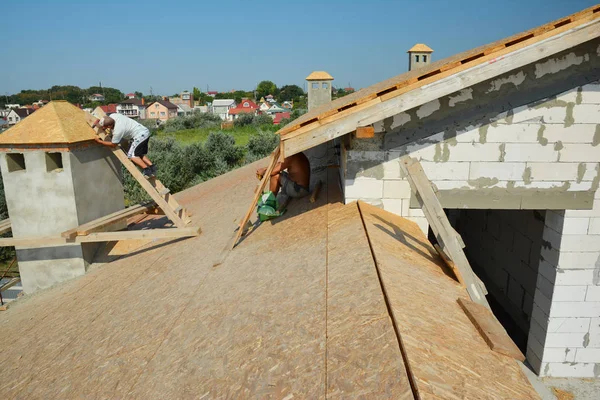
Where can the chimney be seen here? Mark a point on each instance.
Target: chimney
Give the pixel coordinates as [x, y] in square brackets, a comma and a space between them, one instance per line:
[143, 101]
[419, 56]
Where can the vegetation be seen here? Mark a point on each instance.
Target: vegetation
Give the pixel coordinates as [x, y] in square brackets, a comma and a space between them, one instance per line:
[265, 88]
[72, 94]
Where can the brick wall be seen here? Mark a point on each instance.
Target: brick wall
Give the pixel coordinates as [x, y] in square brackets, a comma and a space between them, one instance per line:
[503, 247]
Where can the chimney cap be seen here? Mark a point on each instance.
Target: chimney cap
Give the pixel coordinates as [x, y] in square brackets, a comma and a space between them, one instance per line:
[420, 48]
[319, 76]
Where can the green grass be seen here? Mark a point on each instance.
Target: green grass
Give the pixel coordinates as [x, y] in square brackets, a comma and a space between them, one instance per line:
[189, 136]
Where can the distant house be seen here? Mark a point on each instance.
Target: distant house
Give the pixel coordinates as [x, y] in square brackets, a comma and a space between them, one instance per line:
[4, 113]
[109, 109]
[202, 109]
[96, 97]
[276, 108]
[221, 108]
[264, 107]
[212, 93]
[162, 110]
[288, 105]
[130, 95]
[184, 109]
[280, 116]
[269, 98]
[247, 106]
[17, 114]
[184, 97]
[133, 108]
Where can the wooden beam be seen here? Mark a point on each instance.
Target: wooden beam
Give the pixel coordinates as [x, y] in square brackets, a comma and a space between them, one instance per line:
[101, 223]
[9, 284]
[5, 226]
[365, 132]
[50, 241]
[445, 234]
[438, 86]
[455, 270]
[490, 329]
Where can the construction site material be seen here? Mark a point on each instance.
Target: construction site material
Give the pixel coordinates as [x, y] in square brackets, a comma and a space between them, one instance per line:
[365, 132]
[445, 234]
[51, 241]
[445, 353]
[442, 78]
[455, 269]
[107, 222]
[5, 226]
[315, 192]
[490, 329]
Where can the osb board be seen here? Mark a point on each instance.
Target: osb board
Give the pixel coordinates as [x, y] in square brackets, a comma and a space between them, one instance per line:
[161, 322]
[412, 77]
[363, 355]
[56, 122]
[446, 354]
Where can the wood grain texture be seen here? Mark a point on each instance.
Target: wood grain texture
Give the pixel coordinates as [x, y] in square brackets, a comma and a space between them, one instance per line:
[365, 132]
[363, 355]
[447, 356]
[490, 329]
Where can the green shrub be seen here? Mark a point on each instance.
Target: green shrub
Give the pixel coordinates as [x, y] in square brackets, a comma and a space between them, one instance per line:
[263, 119]
[244, 120]
[222, 146]
[261, 145]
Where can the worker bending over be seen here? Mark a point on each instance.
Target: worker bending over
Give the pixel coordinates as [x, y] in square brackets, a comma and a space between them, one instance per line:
[122, 127]
[295, 181]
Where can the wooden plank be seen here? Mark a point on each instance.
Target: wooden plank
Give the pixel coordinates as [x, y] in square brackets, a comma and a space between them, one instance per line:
[9, 284]
[50, 241]
[445, 234]
[110, 219]
[440, 85]
[5, 226]
[170, 199]
[490, 329]
[365, 132]
[446, 354]
[455, 270]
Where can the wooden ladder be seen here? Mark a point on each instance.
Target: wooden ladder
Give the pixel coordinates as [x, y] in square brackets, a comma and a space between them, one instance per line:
[157, 191]
[449, 240]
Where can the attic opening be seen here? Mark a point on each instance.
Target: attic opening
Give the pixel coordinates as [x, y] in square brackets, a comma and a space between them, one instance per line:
[15, 162]
[54, 162]
[504, 248]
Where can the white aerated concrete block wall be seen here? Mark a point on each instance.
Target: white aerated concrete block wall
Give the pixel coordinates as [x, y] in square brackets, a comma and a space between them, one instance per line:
[564, 339]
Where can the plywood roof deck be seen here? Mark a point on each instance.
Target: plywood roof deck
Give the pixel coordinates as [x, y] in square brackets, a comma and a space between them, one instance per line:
[414, 79]
[296, 309]
[420, 48]
[319, 76]
[58, 122]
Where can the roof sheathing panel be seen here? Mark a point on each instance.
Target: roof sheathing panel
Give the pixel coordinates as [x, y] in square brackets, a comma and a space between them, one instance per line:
[58, 122]
[416, 78]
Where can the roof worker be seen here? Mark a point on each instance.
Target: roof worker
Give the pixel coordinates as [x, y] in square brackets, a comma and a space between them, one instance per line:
[292, 176]
[122, 127]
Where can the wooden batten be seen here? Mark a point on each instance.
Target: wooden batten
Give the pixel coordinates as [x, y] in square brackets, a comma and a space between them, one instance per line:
[365, 132]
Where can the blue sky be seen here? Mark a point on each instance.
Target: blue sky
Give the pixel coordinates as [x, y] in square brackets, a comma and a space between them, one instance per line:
[176, 45]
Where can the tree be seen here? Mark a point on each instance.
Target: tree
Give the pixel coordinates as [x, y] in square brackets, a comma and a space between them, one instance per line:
[265, 88]
[290, 92]
[138, 95]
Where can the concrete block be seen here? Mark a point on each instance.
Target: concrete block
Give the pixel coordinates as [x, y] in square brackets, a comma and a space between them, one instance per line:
[572, 340]
[534, 346]
[422, 222]
[594, 227]
[549, 255]
[576, 133]
[568, 370]
[569, 325]
[416, 212]
[474, 152]
[391, 169]
[578, 260]
[588, 356]
[574, 152]
[451, 171]
[554, 171]
[364, 188]
[542, 301]
[569, 293]
[522, 247]
[534, 361]
[593, 293]
[392, 205]
[575, 309]
[593, 340]
[540, 316]
[558, 354]
[552, 238]
[593, 212]
[590, 93]
[515, 293]
[548, 115]
[545, 286]
[468, 135]
[396, 189]
[503, 171]
[595, 325]
[570, 96]
[554, 220]
[586, 114]
[538, 332]
[579, 242]
[515, 133]
[451, 185]
[425, 151]
[574, 277]
[529, 152]
[528, 303]
[575, 226]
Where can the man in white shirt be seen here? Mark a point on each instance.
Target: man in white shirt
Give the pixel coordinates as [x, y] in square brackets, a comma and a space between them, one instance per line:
[122, 127]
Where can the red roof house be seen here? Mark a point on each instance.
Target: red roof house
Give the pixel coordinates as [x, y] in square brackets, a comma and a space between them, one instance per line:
[280, 116]
[109, 109]
[246, 106]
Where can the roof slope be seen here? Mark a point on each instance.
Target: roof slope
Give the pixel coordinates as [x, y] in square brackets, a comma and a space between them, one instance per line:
[421, 48]
[58, 122]
[319, 76]
[414, 79]
[305, 317]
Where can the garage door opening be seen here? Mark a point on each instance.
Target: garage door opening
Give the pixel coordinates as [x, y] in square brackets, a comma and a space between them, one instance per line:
[503, 247]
